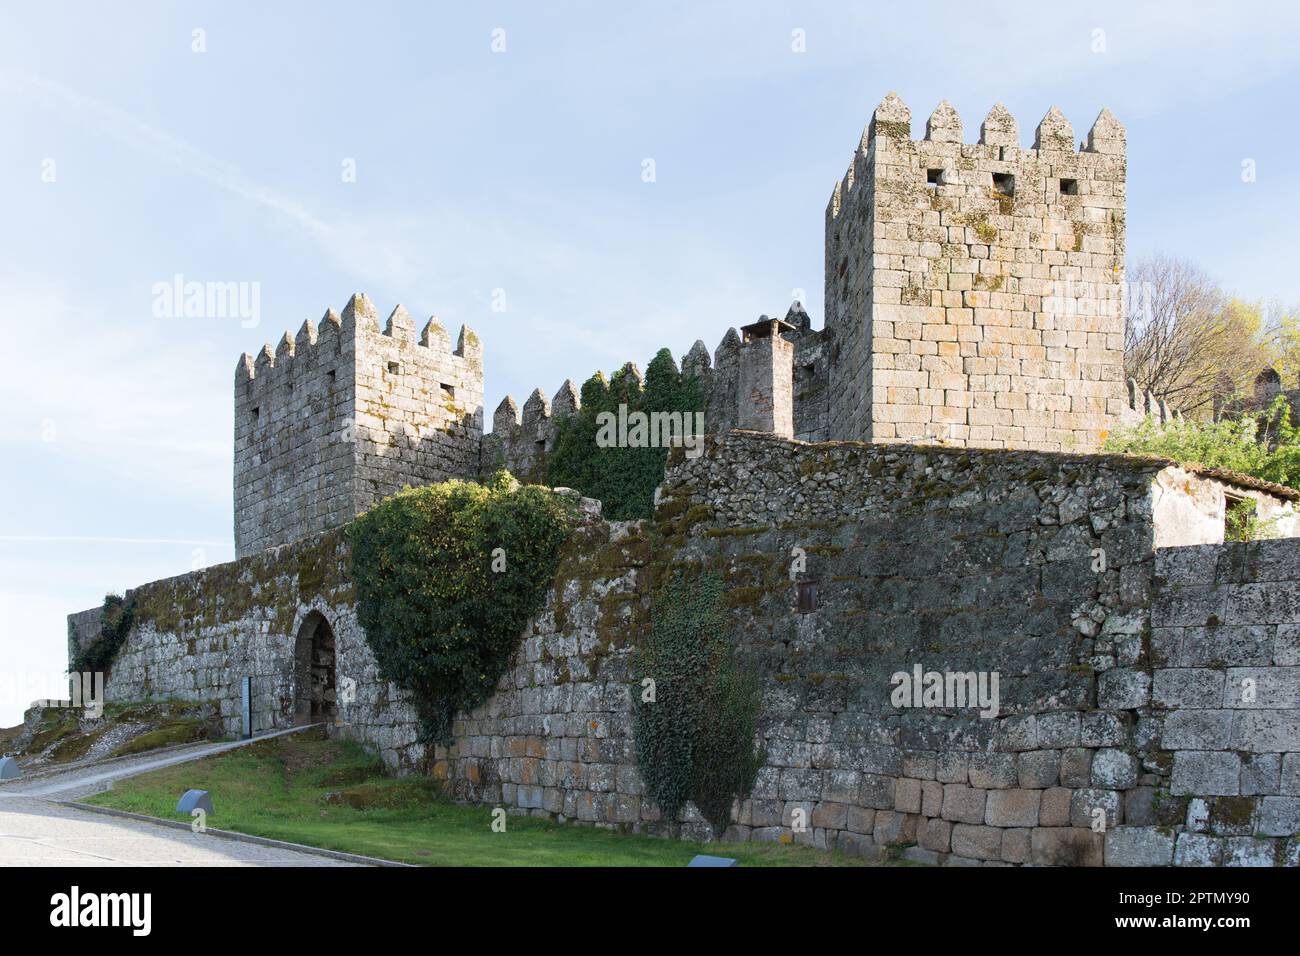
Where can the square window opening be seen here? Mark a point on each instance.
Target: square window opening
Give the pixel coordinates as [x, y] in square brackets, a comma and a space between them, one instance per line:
[1069, 187]
[1004, 183]
[393, 368]
[807, 597]
[449, 389]
[934, 177]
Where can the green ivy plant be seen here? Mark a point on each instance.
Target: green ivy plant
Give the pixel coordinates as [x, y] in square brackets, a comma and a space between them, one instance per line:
[695, 740]
[624, 479]
[446, 577]
[115, 626]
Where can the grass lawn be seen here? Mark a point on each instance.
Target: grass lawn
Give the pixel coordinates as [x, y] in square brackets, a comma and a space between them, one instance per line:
[308, 789]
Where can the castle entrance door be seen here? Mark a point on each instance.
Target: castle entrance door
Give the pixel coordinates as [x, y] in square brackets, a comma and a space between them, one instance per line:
[313, 656]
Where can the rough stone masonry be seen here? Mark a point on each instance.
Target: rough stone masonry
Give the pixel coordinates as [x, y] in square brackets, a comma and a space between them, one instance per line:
[1147, 708]
[1148, 673]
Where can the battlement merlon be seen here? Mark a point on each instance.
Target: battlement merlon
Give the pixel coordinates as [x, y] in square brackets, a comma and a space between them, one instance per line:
[889, 133]
[970, 288]
[337, 334]
[345, 413]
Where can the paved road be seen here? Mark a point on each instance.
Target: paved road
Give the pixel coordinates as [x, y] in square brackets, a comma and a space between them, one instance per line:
[36, 830]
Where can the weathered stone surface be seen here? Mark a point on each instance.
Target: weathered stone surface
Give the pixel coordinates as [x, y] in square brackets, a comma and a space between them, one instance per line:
[1114, 769]
[1122, 689]
[832, 816]
[907, 796]
[1261, 774]
[936, 835]
[977, 842]
[1016, 845]
[1076, 767]
[1207, 772]
[1279, 816]
[1060, 730]
[1091, 805]
[1009, 546]
[1065, 846]
[1197, 730]
[1195, 849]
[1266, 731]
[1140, 807]
[1104, 729]
[861, 820]
[992, 770]
[1054, 808]
[892, 827]
[1138, 846]
[1247, 851]
[341, 416]
[921, 286]
[1187, 687]
[1039, 768]
[1290, 782]
[951, 767]
[878, 791]
[962, 804]
[931, 798]
[916, 854]
[855, 844]
[1013, 808]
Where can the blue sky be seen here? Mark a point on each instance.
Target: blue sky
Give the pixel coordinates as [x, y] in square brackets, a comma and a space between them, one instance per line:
[518, 171]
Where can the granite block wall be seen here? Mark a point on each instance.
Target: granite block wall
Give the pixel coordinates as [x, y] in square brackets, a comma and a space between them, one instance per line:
[343, 414]
[1146, 707]
[974, 291]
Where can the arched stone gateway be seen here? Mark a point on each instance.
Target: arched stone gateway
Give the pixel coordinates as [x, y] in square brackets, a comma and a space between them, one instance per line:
[313, 655]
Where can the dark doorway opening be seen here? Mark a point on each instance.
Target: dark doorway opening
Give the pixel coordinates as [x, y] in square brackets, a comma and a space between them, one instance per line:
[314, 695]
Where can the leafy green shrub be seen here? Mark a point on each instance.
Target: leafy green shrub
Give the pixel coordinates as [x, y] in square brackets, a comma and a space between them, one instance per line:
[441, 608]
[1241, 522]
[695, 740]
[114, 628]
[1267, 448]
[624, 479]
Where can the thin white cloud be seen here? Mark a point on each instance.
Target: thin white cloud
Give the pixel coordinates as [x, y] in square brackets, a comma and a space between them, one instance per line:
[135, 132]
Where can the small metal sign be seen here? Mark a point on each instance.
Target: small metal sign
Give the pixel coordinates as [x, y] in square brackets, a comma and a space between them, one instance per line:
[246, 706]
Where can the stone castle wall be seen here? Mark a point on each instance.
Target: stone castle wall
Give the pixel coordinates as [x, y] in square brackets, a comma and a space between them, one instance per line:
[972, 299]
[521, 439]
[973, 290]
[419, 405]
[196, 636]
[343, 414]
[1120, 688]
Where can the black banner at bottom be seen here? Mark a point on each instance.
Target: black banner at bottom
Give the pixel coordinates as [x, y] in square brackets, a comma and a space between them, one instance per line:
[337, 906]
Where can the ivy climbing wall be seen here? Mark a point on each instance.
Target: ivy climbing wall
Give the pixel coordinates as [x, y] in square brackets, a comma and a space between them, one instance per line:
[1146, 696]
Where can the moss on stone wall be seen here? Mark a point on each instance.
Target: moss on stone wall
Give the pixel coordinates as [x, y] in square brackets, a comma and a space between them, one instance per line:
[276, 581]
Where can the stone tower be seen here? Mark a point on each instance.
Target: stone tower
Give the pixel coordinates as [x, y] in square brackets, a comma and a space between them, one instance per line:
[343, 415]
[765, 402]
[974, 291]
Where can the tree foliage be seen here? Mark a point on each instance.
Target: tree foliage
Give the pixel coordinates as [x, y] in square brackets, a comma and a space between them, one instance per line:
[1267, 446]
[623, 478]
[1185, 338]
[441, 606]
[695, 739]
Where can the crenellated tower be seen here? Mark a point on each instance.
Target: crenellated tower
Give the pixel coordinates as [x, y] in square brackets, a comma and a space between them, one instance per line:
[974, 292]
[344, 414]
